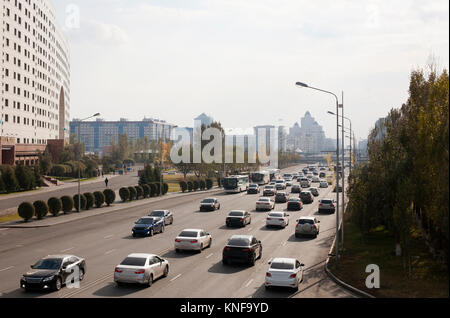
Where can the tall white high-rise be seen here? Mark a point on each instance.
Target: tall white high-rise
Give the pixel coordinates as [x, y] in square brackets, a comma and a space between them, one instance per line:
[35, 73]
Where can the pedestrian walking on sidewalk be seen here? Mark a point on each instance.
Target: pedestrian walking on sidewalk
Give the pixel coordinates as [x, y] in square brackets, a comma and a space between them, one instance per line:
[106, 182]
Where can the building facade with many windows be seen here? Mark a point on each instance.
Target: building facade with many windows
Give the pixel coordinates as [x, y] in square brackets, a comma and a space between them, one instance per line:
[35, 73]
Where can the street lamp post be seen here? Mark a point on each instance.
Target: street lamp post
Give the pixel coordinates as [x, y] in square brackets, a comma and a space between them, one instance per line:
[337, 159]
[79, 158]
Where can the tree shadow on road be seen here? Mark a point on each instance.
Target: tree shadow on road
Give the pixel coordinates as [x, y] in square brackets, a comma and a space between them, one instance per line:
[227, 269]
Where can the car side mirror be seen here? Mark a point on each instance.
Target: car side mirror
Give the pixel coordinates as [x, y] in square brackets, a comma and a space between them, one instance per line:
[318, 221]
[259, 242]
[31, 266]
[302, 265]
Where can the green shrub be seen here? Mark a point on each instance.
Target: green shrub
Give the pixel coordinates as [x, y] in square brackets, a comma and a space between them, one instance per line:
[110, 196]
[202, 184]
[139, 192]
[153, 189]
[146, 189]
[26, 211]
[124, 194]
[10, 180]
[40, 209]
[190, 186]
[67, 203]
[158, 188]
[183, 186]
[165, 188]
[99, 198]
[58, 171]
[196, 185]
[54, 205]
[209, 184]
[82, 200]
[25, 177]
[133, 193]
[90, 200]
[2, 184]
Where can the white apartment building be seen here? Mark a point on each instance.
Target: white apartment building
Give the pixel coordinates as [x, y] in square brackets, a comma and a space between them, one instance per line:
[35, 73]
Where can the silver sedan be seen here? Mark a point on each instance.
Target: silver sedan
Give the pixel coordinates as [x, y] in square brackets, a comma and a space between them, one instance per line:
[140, 268]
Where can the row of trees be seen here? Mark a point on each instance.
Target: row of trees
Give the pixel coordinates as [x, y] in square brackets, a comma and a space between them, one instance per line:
[195, 185]
[66, 204]
[143, 191]
[405, 184]
[19, 178]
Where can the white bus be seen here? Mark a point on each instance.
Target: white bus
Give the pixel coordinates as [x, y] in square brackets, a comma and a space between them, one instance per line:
[260, 177]
[235, 184]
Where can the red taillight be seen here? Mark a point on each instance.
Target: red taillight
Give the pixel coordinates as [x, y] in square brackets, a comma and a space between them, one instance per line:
[246, 250]
[268, 274]
[226, 249]
[194, 241]
[177, 240]
[293, 276]
[320, 204]
[242, 219]
[332, 205]
[268, 218]
[142, 271]
[118, 270]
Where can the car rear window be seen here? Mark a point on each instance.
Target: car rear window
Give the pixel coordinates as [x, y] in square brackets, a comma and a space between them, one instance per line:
[280, 265]
[263, 199]
[208, 201]
[305, 221]
[326, 201]
[236, 213]
[188, 234]
[134, 261]
[294, 200]
[276, 215]
[145, 221]
[157, 213]
[239, 241]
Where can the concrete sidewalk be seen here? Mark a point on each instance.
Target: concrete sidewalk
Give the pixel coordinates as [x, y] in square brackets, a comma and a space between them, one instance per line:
[117, 206]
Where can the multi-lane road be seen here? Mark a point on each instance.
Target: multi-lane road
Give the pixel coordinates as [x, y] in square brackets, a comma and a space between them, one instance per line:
[105, 240]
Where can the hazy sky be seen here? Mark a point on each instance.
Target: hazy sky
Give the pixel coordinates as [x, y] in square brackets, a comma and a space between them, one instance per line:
[238, 60]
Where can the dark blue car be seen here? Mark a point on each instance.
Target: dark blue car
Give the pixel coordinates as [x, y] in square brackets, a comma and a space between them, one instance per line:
[148, 226]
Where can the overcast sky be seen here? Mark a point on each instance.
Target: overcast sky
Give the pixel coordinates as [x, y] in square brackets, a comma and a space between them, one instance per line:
[239, 60]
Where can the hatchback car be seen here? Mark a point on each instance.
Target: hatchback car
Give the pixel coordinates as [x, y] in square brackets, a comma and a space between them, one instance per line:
[269, 190]
[209, 204]
[148, 226]
[294, 204]
[296, 188]
[322, 175]
[140, 268]
[265, 203]
[314, 191]
[253, 189]
[53, 271]
[238, 218]
[277, 219]
[307, 225]
[323, 184]
[306, 197]
[242, 248]
[305, 183]
[284, 272]
[192, 240]
[281, 197]
[165, 214]
[327, 205]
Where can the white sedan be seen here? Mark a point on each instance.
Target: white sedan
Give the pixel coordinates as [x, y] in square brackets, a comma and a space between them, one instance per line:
[284, 272]
[141, 268]
[278, 219]
[323, 184]
[265, 203]
[192, 239]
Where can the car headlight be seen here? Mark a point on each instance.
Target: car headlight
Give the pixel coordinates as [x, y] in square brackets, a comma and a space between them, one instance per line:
[47, 279]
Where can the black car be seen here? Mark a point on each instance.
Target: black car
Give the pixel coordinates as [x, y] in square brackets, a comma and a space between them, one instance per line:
[296, 188]
[253, 189]
[209, 204]
[294, 204]
[306, 197]
[238, 218]
[165, 214]
[340, 189]
[54, 271]
[242, 248]
[281, 197]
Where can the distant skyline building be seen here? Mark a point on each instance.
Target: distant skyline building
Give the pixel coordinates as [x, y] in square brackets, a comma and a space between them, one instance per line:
[97, 134]
[204, 119]
[309, 137]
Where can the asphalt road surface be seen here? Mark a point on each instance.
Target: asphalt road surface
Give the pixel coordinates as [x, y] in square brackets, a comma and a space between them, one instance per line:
[105, 240]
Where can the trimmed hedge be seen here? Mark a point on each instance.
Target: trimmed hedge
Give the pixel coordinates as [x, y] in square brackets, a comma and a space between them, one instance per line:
[165, 188]
[54, 205]
[190, 186]
[139, 192]
[153, 189]
[99, 198]
[90, 200]
[146, 189]
[196, 185]
[133, 193]
[110, 196]
[83, 202]
[158, 188]
[40, 209]
[209, 184]
[124, 194]
[67, 203]
[202, 185]
[26, 211]
[183, 186]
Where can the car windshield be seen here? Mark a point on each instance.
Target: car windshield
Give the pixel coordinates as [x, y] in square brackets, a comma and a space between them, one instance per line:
[157, 213]
[188, 234]
[239, 241]
[279, 181]
[145, 221]
[48, 263]
[253, 186]
[305, 221]
[208, 201]
[269, 188]
[134, 261]
[236, 213]
[281, 265]
[294, 200]
[326, 201]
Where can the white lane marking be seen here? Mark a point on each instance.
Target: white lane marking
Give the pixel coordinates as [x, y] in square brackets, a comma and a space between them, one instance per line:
[5, 269]
[67, 249]
[249, 282]
[175, 277]
[284, 243]
[209, 255]
[3, 230]
[110, 251]
[250, 229]
[108, 236]
[19, 245]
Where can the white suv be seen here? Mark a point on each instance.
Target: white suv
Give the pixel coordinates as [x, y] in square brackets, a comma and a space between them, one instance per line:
[307, 225]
